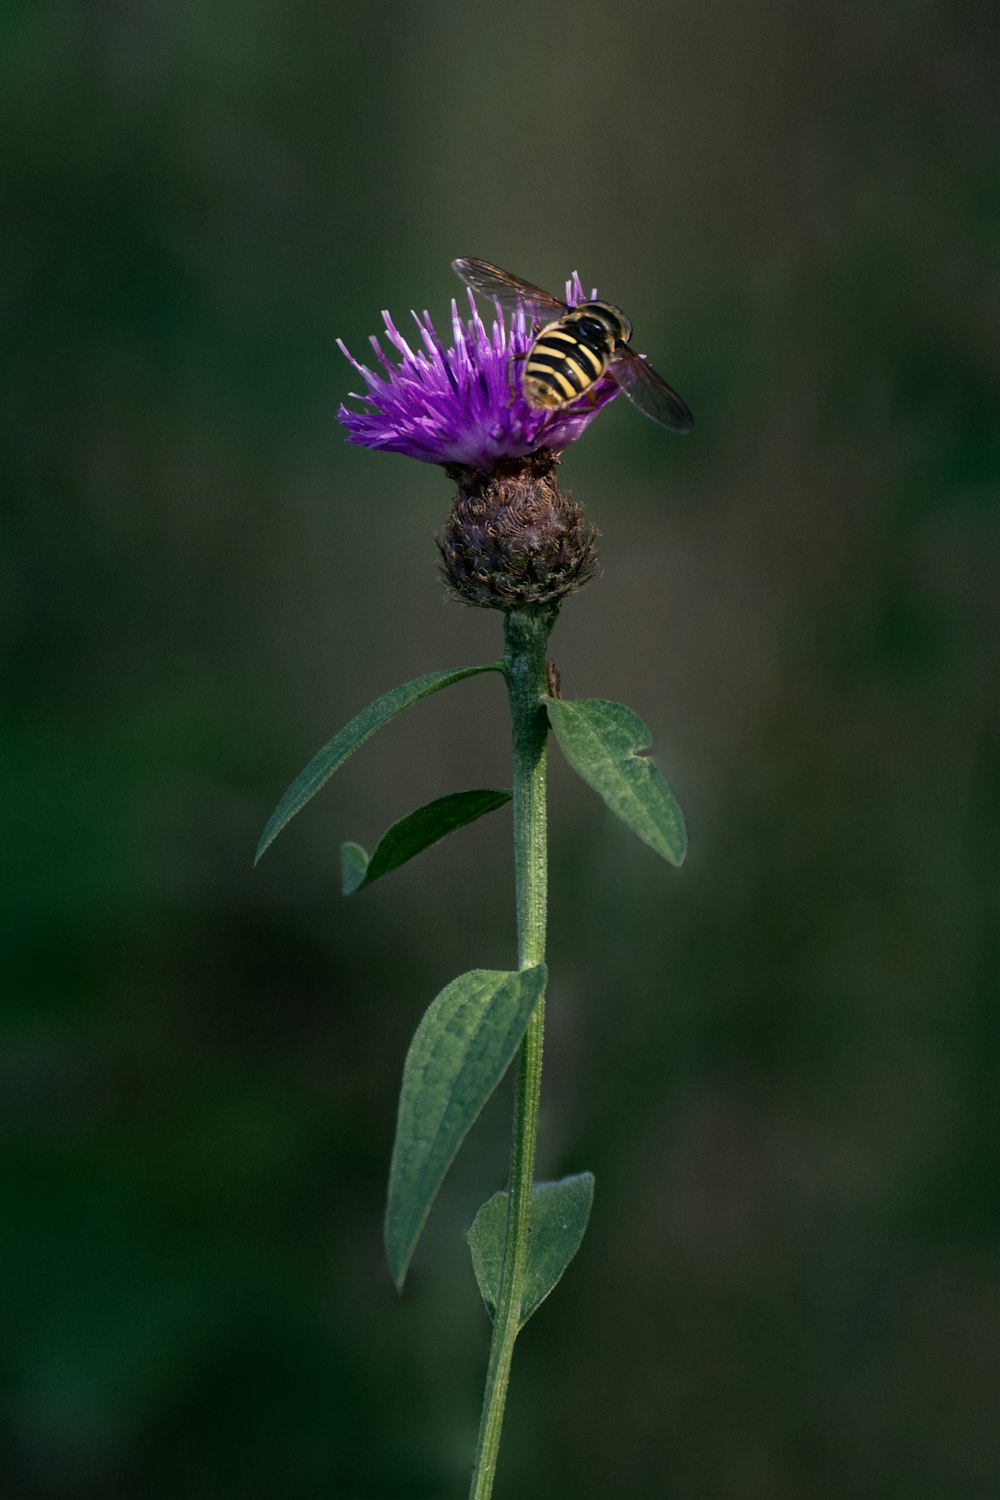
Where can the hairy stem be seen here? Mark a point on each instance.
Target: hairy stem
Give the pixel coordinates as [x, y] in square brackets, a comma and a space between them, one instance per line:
[526, 634]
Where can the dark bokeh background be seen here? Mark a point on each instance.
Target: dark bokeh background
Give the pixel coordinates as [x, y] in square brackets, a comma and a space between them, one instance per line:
[780, 1062]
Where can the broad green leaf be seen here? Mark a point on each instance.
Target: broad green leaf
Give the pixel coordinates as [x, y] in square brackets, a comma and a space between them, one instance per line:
[459, 1053]
[602, 742]
[414, 833]
[557, 1220]
[362, 727]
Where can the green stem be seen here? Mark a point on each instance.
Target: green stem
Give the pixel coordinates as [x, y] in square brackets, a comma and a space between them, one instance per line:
[526, 634]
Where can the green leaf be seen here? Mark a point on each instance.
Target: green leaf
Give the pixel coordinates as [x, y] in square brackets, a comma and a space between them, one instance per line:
[601, 741]
[362, 727]
[557, 1220]
[353, 867]
[414, 833]
[459, 1053]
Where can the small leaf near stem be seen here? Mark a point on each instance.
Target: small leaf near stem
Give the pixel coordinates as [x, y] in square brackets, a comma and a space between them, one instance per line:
[415, 833]
[602, 741]
[557, 1221]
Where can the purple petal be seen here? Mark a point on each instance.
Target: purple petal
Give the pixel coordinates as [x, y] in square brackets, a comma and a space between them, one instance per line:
[463, 404]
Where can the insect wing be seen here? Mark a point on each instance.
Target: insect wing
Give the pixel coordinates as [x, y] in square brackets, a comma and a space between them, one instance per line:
[650, 392]
[510, 291]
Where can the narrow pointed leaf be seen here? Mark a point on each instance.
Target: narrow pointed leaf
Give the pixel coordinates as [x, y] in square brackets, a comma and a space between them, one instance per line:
[602, 742]
[557, 1221]
[414, 833]
[362, 727]
[460, 1051]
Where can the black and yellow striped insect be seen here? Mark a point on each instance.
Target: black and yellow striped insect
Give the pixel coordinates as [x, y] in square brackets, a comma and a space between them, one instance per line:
[575, 346]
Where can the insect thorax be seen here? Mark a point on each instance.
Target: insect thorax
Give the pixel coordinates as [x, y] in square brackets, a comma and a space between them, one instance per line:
[601, 318]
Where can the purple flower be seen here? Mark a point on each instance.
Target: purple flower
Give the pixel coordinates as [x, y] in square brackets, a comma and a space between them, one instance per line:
[463, 405]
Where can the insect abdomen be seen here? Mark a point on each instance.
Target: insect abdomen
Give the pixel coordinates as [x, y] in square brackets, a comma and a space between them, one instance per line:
[564, 362]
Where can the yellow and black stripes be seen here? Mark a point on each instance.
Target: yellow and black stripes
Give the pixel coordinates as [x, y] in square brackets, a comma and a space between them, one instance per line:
[568, 357]
[562, 365]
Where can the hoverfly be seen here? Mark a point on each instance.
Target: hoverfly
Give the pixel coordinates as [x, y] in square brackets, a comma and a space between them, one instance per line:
[575, 346]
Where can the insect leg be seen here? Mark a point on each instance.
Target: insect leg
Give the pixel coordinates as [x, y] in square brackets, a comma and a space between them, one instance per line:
[514, 359]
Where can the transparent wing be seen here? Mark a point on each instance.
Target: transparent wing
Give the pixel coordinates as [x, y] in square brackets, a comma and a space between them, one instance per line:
[649, 391]
[510, 291]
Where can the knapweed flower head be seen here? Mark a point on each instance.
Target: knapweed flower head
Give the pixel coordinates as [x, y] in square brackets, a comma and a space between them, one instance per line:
[513, 538]
[463, 404]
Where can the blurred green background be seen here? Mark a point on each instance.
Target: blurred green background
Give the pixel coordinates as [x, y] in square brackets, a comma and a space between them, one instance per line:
[780, 1063]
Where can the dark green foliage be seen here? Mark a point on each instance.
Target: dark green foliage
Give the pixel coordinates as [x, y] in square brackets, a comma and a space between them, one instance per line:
[557, 1222]
[414, 833]
[460, 1051]
[601, 741]
[333, 754]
